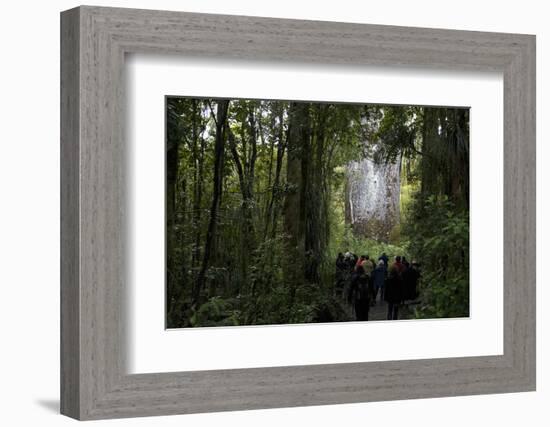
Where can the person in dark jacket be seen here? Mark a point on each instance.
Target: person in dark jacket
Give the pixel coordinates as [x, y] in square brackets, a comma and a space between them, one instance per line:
[340, 274]
[384, 258]
[410, 281]
[394, 289]
[359, 294]
[379, 279]
[349, 263]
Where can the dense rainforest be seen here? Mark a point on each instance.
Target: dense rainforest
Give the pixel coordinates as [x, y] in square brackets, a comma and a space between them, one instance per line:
[262, 196]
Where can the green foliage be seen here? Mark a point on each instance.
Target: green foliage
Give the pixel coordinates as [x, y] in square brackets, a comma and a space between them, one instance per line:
[216, 312]
[266, 299]
[438, 234]
[397, 133]
[365, 246]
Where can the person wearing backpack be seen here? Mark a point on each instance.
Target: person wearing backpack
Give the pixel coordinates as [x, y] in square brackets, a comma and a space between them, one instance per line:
[359, 294]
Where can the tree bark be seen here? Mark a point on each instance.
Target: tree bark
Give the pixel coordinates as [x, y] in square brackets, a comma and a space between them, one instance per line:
[314, 196]
[274, 202]
[373, 197]
[219, 149]
[172, 154]
[293, 210]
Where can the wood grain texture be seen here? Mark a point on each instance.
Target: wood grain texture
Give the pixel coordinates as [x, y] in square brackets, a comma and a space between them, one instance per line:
[94, 381]
[70, 333]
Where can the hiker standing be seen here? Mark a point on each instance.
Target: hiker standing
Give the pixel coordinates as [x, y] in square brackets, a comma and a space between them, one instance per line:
[341, 274]
[384, 258]
[379, 279]
[394, 288]
[410, 281]
[359, 294]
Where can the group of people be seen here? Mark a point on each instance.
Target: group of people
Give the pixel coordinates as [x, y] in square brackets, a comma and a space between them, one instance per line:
[360, 280]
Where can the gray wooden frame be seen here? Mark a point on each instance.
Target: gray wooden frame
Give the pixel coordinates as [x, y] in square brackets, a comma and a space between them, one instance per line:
[94, 382]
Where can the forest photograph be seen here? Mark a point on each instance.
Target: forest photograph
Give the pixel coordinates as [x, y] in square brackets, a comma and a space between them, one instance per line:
[293, 212]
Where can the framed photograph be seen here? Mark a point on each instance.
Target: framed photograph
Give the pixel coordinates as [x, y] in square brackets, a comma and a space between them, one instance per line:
[261, 213]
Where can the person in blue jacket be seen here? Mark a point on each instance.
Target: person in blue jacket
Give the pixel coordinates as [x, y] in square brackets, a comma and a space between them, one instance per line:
[379, 280]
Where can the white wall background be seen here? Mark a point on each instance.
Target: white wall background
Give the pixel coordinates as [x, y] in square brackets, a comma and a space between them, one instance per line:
[29, 214]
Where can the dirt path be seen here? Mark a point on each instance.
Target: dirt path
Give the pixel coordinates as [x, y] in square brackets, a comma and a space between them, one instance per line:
[379, 311]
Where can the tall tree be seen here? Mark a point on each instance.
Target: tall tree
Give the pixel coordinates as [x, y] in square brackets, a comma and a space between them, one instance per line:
[293, 210]
[219, 151]
[314, 193]
[276, 190]
[244, 152]
[174, 136]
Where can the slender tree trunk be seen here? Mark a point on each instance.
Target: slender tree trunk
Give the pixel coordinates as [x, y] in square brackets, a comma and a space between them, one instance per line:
[462, 187]
[172, 151]
[196, 182]
[250, 178]
[429, 132]
[246, 235]
[270, 187]
[275, 192]
[219, 149]
[198, 202]
[171, 180]
[293, 221]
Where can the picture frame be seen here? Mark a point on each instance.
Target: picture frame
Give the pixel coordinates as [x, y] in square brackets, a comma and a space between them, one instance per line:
[94, 380]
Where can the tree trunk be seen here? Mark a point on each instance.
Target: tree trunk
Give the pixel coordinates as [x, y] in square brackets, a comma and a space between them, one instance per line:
[293, 210]
[172, 291]
[314, 196]
[219, 149]
[372, 198]
[274, 203]
[195, 161]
